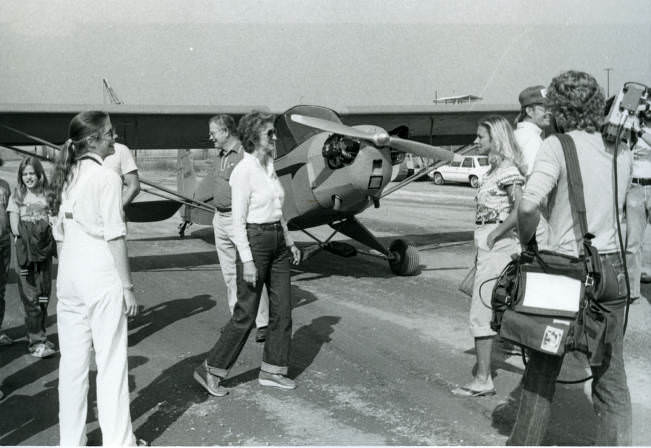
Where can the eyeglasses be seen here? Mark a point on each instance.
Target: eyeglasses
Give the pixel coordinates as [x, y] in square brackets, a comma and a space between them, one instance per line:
[212, 134]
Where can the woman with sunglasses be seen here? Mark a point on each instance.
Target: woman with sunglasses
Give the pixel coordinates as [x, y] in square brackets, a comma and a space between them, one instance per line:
[264, 249]
[94, 288]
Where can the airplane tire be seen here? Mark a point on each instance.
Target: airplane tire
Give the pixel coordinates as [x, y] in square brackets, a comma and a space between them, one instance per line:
[438, 179]
[474, 181]
[406, 261]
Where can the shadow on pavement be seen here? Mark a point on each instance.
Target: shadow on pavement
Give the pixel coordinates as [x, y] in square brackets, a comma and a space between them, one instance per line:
[155, 318]
[169, 396]
[168, 261]
[308, 341]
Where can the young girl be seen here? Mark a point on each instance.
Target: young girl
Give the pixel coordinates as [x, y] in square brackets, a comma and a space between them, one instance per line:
[29, 219]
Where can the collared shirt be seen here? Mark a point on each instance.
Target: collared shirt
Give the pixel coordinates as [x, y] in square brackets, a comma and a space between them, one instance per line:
[225, 162]
[97, 205]
[528, 137]
[121, 161]
[257, 198]
[596, 162]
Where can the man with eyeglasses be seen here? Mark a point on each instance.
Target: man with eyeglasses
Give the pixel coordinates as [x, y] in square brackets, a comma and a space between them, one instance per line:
[124, 165]
[223, 135]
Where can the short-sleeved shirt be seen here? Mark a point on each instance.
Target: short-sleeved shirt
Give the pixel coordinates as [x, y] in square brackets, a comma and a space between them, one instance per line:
[32, 208]
[549, 181]
[225, 163]
[528, 137]
[492, 199]
[121, 162]
[98, 206]
[642, 160]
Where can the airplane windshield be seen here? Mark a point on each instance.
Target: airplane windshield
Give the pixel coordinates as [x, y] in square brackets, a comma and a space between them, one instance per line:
[291, 134]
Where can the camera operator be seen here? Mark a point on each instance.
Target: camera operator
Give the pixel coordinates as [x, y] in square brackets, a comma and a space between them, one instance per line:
[577, 103]
[638, 212]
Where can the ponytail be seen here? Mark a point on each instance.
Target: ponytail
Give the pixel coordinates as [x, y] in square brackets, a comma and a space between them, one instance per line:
[62, 175]
[82, 126]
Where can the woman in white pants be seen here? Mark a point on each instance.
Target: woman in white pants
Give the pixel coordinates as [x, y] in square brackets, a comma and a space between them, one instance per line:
[94, 288]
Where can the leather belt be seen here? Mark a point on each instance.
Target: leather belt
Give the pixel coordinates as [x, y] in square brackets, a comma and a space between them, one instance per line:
[641, 181]
[223, 209]
[265, 226]
[479, 222]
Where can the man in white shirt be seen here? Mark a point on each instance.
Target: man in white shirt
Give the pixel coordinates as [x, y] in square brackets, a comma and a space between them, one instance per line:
[533, 117]
[124, 165]
[638, 214]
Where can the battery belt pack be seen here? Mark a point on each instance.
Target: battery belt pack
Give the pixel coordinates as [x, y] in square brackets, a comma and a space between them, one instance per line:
[547, 301]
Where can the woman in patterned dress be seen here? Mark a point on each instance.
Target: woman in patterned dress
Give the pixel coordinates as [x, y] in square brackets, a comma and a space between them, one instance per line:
[495, 238]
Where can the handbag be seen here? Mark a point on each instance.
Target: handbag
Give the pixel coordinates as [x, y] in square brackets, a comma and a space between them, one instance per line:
[542, 298]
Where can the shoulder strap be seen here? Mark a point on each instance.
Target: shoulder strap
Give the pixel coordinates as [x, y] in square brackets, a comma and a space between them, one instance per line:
[575, 186]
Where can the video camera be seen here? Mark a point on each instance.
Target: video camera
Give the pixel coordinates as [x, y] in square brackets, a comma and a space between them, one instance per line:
[629, 111]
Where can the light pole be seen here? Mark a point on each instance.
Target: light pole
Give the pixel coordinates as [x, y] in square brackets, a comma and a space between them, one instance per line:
[608, 70]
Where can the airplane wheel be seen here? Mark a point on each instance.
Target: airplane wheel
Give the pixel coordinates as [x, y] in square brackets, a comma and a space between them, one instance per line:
[438, 179]
[474, 181]
[406, 260]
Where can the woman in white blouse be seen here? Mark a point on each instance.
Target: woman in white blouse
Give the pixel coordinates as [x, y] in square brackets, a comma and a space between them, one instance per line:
[264, 249]
[94, 288]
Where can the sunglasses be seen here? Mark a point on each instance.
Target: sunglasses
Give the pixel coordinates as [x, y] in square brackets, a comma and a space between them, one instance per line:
[110, 133]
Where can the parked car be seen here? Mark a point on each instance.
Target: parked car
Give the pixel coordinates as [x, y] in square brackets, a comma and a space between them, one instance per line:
[469, 169]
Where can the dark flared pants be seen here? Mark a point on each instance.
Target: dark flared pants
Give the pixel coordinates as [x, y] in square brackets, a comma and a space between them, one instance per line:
[271, 258]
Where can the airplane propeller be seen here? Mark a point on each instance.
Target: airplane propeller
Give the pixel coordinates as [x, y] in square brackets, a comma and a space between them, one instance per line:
[381, 138]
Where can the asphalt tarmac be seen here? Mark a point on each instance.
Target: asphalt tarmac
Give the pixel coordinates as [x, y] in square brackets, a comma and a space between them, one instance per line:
[375, 356]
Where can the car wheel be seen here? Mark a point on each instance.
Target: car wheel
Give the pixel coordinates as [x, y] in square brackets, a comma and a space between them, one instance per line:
[438, 179]
[474, 181]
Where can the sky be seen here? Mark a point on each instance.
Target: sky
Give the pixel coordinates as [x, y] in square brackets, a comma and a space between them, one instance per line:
[334, 53]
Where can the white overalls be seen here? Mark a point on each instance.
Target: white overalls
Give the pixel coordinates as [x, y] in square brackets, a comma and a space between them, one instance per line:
[90, 309]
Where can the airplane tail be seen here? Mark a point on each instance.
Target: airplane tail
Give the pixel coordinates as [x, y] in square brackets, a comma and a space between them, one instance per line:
[192, 187]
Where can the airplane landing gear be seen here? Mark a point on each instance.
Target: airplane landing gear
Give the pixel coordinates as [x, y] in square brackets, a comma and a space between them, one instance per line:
[403, 258]
[182, 227]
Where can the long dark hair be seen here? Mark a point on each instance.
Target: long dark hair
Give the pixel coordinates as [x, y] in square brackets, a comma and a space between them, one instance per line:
[82, 126]
[21, 189]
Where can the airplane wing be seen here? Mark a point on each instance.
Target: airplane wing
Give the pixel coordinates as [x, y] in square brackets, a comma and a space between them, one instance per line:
[176, 127]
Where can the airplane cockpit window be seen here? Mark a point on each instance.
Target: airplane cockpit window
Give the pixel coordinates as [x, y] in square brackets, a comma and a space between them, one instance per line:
[291, 134]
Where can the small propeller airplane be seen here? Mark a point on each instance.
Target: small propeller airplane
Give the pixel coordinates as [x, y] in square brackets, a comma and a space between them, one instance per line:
[330, 171]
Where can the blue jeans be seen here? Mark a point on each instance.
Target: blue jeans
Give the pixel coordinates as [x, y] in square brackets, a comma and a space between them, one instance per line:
[638, 215]
[610, 396]
[271, 258]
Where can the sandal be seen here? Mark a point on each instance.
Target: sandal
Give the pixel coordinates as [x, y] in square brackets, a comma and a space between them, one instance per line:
[465, 391]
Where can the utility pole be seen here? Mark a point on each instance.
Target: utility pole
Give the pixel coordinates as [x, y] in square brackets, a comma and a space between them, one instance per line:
[608, 70]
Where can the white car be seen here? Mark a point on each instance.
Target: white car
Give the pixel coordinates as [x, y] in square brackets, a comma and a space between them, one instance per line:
[470, 169]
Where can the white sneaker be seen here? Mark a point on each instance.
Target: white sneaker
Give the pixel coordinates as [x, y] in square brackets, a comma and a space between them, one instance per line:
[43, 351]
[275, 380]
